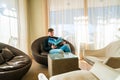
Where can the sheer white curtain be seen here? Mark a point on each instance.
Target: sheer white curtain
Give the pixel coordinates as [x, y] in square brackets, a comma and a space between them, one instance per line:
[63, 17]
[87, 24]
[9, 22]
[23, 26]
[13, 23]
[104, 21]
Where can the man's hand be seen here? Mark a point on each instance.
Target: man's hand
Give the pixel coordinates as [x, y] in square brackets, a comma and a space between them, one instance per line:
[64, 42]
[53, 46]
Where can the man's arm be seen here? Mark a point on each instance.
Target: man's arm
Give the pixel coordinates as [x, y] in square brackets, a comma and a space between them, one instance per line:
[46, 46]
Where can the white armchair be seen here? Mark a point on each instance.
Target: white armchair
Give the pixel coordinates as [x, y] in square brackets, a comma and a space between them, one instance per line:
[99, 71]
[108, 53]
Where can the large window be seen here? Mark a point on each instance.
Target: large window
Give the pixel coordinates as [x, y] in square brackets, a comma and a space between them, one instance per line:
[9, 22]
[62, 16]
[103, 21]
[87, 24]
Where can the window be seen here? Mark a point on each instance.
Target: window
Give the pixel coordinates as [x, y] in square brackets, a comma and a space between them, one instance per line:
[87, 24]
[63, 15]
[9, 22]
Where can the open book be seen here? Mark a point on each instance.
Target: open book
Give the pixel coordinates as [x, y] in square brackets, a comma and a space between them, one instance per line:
[55, 41]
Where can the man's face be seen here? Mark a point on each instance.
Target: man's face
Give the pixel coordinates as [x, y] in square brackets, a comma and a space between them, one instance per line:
[51, 33]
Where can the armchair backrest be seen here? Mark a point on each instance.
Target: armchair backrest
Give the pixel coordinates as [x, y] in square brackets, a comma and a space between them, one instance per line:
[113, 49]
[37, 45]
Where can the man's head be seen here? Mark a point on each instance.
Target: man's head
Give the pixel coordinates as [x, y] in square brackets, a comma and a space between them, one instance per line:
[51, 32]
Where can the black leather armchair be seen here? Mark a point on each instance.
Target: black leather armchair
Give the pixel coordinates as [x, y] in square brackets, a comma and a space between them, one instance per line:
[13, 67]
[37, 50]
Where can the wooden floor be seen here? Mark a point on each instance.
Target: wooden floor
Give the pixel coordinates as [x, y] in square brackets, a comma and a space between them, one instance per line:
[84, 65]
[37, 68]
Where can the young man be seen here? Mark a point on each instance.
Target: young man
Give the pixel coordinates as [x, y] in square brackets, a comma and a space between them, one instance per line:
[54, 44]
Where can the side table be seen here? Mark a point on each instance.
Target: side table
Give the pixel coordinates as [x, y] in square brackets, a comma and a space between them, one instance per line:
[61, 63]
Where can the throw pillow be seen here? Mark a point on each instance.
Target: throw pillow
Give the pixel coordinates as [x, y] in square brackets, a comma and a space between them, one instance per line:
[104, 72]
[1, 59]
[113, 62]
[7, 54]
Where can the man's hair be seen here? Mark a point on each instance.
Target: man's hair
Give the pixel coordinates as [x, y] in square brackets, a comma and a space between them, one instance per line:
[50, 30]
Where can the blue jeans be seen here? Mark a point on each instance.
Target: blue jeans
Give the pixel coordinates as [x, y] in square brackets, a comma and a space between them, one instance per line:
[56, 51]
[62, 49]
[66, 48]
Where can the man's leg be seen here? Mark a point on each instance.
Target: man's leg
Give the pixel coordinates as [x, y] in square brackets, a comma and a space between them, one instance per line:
[66, 48]
[56, 51]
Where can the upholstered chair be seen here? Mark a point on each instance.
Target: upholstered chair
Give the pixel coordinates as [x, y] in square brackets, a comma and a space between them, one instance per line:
[14, 63]
[109, 55]
[39, 54]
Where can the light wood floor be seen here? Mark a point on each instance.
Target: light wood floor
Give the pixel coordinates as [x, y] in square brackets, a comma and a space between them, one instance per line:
[84, 65]
[37, 68]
